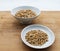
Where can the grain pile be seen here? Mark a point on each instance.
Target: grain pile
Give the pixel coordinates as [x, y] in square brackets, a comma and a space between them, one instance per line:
[36, 37]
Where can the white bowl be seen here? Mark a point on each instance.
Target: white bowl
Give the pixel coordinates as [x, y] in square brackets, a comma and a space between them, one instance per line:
[51, 37]
[25, 20]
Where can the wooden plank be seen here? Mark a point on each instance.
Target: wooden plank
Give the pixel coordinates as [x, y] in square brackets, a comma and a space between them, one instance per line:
[10, 30]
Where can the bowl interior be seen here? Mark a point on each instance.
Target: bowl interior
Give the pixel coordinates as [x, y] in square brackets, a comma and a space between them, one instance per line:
[36, 10]
[50, 34]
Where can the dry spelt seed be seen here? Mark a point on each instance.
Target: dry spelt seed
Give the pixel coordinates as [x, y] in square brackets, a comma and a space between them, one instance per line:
[25, 13]
[36, 37]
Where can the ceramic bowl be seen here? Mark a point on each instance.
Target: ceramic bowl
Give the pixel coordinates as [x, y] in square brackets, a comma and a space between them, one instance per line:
[51, 36]
[25, 20]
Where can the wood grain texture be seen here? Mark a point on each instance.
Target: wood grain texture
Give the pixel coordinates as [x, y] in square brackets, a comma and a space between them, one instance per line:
[10, 30]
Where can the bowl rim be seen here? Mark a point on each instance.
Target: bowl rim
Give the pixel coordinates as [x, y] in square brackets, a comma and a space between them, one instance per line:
[25, 6]
[36, 46]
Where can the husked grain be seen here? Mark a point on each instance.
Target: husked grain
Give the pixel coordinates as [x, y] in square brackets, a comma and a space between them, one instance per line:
[36, 37]
[25, 14]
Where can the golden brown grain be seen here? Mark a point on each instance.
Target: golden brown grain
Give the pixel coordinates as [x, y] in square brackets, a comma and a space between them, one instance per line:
[25, 14]
[36, 37]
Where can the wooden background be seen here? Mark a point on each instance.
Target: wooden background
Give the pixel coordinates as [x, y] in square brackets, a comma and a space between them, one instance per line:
[10, 30]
